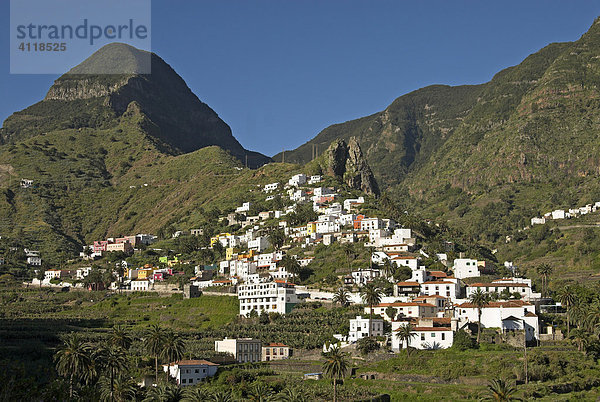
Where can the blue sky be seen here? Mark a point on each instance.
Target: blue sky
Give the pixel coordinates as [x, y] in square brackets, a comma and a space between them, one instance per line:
[278, 72]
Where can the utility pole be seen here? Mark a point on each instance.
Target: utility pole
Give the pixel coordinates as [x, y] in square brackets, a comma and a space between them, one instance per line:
[525, 350]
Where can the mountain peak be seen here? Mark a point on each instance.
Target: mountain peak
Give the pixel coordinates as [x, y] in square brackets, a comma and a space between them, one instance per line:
[98, 92]
[115, 58]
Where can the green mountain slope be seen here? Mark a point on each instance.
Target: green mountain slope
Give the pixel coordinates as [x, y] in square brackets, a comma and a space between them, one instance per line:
[115, 154]
[488, 157]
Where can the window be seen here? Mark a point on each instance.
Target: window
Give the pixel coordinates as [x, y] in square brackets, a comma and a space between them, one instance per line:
[197, 371]
[191, 380]
[422, 337]
[433, 334]
[183, 380]
[443, 336]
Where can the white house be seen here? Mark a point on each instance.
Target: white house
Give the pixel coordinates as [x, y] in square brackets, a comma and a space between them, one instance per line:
[403, 310]
[426, 338]
[140, 285]
[314, 179]
[367, 224]
[297, 180]
[33, 257]
[322, 191]
[82, 272]
[514, 285]
[465, 268]
[277, 296]
[448, 287]
[244, 350]
[558, 214]
[538, 221]
[495, 315]
[270, 187]
[364, 275]
[259, 244]
[244, 208]
[190, 372]
[349, 202]
[359, 328]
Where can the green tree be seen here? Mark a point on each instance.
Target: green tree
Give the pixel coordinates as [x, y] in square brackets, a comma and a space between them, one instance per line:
[499, 390]
[124, 389]
[371, 295]
[367, 345]
[391, 312]
[291, 265]
[119, 336]
[173, 349]
[73, 360]
[479, 299]
[155, 339]
[335, 366]
[194, 394]
[405, 333]
[114, 362]
[260, 392]
[277, 238]
[350, 253]
[568, 298]
[341, 296]
[544, 270]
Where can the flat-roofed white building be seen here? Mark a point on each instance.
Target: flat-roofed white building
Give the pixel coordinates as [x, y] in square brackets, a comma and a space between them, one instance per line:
[465, 268]
[426, 338]
[278, 296]
[243, 350]
[359, 328]
[190, 372]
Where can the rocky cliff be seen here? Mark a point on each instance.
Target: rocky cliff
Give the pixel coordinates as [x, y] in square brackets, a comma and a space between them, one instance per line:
[346, 162]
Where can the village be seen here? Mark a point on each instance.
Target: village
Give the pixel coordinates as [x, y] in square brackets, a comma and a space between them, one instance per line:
[431, 305]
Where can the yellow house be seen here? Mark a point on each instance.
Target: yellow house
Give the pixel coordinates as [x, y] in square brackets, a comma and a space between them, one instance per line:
[215, 239]
[145, 273]
[311, 227]
[230, 251]
[250, 254]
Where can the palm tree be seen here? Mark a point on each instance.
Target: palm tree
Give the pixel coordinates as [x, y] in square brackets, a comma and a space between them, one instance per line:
[114, 360]
[371, 295]
[592, 317]
[164, 393]
[405, 333]
[479, 299]
[155, 338]
[293, 395]
[387, 268]
[342, 297]
[73, 359]
[500, 390]
[291, 265]
[221, 396]
[579, 338]
[568, 298]
[119, 336]
[196, 394]
[350, 253]
[544, 270]
[173, 349]
[123, 389]
[261, 392]
[335, 366]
